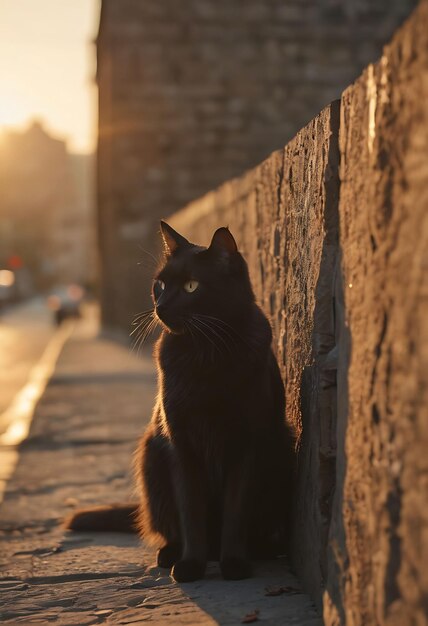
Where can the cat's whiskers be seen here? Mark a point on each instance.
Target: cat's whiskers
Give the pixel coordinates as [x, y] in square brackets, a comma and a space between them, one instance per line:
[221, 329]
[141, 328]
[140, 319]
[146, 271]
[155, 260]
[139, 337]
[197, 327]
[143, 313]
[144, 329]
[213, 336]
[149, 329]
[227, 327]
[188, 326]
[214, 332]
[221, 326]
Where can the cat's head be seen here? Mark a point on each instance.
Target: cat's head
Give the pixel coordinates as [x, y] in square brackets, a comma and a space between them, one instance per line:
[197, 283]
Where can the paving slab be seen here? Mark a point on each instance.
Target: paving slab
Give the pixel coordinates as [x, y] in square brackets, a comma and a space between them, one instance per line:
[79, 453]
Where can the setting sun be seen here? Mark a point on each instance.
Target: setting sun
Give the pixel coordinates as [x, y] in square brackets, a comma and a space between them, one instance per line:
[47, 67]
[12, 112]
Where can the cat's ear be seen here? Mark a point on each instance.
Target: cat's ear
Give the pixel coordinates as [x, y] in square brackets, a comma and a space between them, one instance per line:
[223, 241]
[171, 239]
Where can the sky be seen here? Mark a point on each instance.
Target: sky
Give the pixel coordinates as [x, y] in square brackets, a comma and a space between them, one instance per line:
[47, 67]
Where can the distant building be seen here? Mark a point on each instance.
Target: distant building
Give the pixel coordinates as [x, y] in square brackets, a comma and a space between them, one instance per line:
[192, 93]
[46, 208]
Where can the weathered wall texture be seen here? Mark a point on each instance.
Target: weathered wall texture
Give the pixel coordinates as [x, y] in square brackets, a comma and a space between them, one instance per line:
[335, 231]
[192, 93]
[379, 543]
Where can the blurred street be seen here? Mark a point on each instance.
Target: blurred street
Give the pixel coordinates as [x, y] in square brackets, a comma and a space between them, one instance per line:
[29, 347]
[25, 331]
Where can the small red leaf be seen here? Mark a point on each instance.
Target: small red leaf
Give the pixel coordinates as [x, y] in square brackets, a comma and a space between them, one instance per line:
[277, 591]
[251, 617]
[274, 591]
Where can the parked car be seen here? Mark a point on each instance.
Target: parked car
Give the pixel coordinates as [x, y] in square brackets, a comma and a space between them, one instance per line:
[65, 303]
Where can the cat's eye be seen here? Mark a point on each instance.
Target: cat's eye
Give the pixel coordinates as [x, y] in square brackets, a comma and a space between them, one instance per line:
[158, 288]
[191, 286]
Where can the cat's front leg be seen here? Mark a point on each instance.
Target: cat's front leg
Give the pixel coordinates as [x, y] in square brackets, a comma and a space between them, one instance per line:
[191, 498]
[234, 563]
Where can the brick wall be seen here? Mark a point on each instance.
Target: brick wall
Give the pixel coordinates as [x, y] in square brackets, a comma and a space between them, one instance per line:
[335, 230]
[193, 93]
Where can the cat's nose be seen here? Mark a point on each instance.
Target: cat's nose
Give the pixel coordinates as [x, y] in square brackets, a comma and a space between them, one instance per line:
[163, 311]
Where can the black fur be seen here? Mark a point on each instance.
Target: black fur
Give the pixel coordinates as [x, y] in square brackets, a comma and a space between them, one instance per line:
[113, 518]
[214, 466]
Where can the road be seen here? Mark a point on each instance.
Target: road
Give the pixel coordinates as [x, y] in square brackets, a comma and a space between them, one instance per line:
[29, 347]
[25, 331]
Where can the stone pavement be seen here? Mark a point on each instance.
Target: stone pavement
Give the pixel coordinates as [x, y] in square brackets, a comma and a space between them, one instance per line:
[79, 452]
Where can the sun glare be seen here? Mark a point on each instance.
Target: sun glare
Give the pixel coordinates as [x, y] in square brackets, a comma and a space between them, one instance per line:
[11, 113]
[47, 67]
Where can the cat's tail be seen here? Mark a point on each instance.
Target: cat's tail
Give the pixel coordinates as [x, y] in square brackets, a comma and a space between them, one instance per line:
[113, 518]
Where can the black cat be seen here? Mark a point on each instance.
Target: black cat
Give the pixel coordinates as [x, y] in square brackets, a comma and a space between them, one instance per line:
[214, 466]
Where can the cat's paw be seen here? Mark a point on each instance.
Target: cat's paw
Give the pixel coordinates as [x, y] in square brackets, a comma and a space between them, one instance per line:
[169, 555]
[234, 568]
[187, 570]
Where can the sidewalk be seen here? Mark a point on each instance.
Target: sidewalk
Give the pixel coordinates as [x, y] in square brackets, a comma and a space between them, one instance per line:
[79, 452]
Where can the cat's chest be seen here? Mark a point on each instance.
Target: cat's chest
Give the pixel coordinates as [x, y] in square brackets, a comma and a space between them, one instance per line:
[211, 431]
[208, 411]
[195, 387]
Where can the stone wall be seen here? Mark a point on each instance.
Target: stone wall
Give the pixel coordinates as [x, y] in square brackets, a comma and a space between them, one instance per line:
[193, 93]
[378, 546]
[335, 231]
